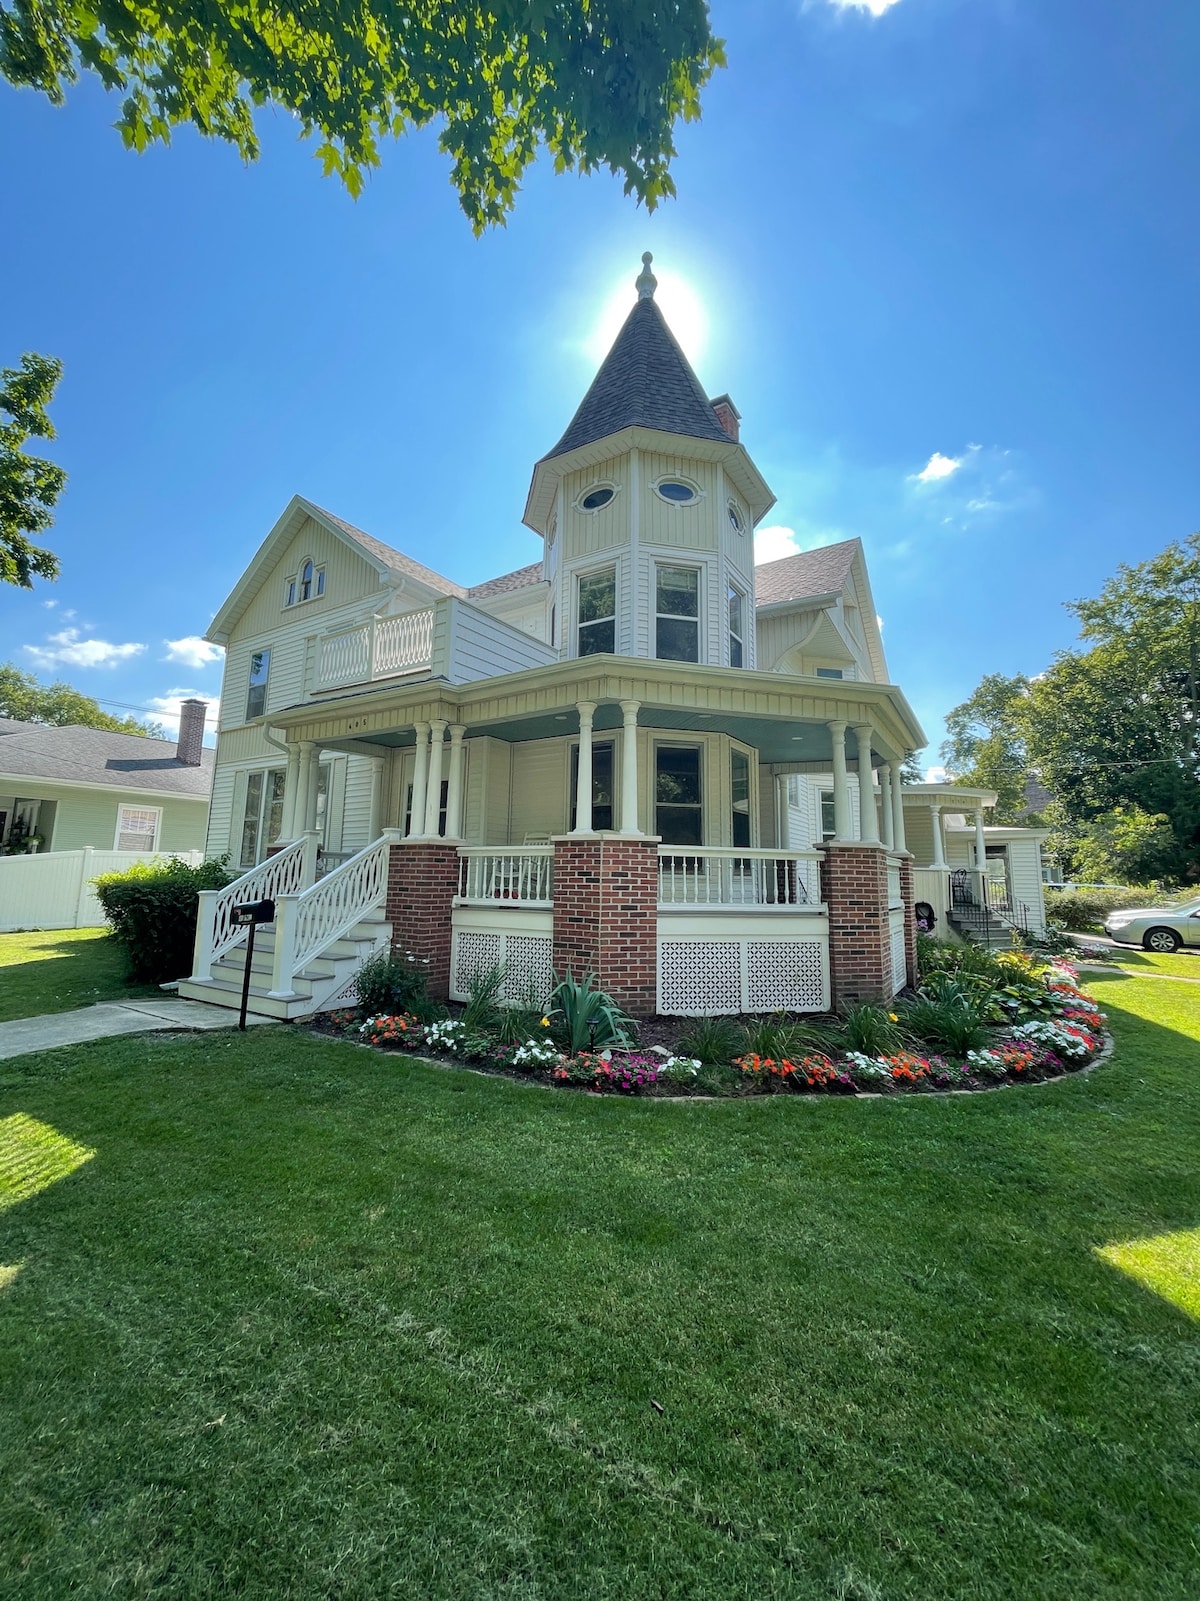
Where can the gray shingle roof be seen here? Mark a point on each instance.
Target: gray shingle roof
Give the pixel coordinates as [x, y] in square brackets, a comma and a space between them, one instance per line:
[12, 725]
[811, 572]
[80, 755]
[507, 582]
[644, 381]
[394, 560]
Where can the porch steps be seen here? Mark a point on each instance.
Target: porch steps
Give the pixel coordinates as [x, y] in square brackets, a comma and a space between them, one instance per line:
[318, 987]
[977, 924]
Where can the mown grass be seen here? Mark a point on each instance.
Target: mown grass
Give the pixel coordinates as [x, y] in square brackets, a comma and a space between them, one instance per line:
[1182, 964]
[317, 1322]
[59, 969]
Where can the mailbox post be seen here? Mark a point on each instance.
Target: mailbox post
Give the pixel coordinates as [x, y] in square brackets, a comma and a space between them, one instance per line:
[249, 917]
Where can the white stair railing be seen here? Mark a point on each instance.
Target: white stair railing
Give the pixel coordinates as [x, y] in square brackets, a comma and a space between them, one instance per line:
[520, 877]
[309, 923]
[288, 872]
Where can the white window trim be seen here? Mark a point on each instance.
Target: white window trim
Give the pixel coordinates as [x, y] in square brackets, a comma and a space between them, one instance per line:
[701, 617]
[300, 600]
[265, 686]
[678, 478]
[122, 808]
[590, 489]
[736, 589]
[577, 576]
[733, 507]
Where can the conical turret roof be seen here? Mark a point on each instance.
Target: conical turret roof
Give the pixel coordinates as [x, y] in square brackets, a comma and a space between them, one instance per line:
[645, 381]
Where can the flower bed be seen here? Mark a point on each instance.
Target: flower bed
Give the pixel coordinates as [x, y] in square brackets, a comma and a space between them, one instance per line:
[1045, 1026]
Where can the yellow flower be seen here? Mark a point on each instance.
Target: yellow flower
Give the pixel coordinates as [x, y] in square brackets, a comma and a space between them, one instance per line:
[893, 1017]
[545, 1022]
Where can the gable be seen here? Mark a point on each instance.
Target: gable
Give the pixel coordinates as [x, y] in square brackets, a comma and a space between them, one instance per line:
[259, 597]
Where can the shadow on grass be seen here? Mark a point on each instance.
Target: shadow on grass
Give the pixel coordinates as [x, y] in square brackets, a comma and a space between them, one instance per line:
[58, 970]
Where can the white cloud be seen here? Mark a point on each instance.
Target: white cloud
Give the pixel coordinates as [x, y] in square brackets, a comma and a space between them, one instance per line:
[192, 651]
[937, 468]
[164, 709]
[936, 775]
[772, 544]
[875, 7]
[67, 649]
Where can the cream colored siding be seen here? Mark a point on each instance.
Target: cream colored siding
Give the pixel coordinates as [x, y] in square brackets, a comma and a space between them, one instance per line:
[918, 834]
[1025, 880]
[690, 527]
[474, 645]
[356, 806]
[584, 534]
[220, 815]
[349, 578]
[540, 780]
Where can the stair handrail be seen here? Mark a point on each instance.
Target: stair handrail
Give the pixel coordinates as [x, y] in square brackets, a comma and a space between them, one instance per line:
[308, 923]
[286, 872]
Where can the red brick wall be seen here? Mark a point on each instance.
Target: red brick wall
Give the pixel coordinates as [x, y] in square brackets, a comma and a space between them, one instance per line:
[422, 882]
[910, 925]
[854, 887]
[606, 917]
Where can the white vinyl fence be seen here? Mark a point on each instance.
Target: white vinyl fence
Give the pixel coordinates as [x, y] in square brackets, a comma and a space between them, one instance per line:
[54, 889]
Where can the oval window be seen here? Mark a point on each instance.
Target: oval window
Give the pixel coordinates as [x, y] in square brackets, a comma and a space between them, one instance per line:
[598, 497]
[735, 518]
[674, 489]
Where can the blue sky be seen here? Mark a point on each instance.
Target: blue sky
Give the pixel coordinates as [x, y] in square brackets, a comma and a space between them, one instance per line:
[942, 253]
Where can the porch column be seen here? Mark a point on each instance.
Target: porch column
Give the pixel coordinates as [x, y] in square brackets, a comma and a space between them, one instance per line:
[313, 765]
[433, 787]
[300, 804]
[980, 843]
[583, 785]
[842, 829]
[291, 783]
[868, 823]
[898, 840]
[454, 787]
[416, 810]
[939, 849]
[629, 774]
[886, 817]
[375, 815]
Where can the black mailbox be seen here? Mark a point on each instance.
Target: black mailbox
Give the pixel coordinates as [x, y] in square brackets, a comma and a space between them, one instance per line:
[254, 912]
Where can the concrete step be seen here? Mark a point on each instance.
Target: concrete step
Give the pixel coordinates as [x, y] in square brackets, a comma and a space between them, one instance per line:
[317, 986]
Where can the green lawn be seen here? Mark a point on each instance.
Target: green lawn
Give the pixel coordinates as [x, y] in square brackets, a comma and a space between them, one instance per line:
[58, 969]
[1183, 964]
[313, 1322]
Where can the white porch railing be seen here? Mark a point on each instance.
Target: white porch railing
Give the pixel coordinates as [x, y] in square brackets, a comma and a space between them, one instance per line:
[380, 648]
[286, 873]
[309, 923]
[519, 877]
[738, 876]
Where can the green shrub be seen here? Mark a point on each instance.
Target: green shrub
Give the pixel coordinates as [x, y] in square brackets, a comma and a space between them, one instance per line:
[585, 1017]
[949, 956]
[953, 1012]
[151, 909]
[388, 984]
[711, 1040]
[870, 1030]
[1081, 911]
[482, 1011]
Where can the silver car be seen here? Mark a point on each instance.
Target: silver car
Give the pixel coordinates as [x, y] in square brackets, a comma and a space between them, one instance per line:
[1157, 928]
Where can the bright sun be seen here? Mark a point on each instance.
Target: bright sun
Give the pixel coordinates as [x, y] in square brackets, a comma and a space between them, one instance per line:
[677, 300]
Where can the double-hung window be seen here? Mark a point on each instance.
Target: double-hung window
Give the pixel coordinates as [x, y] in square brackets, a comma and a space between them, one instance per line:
[739, 780]
[677, 795]
[677, 614]
[256, 693]
[828, 815]
[598, 613]
[602, 786]
[137, 828]
[737, 652]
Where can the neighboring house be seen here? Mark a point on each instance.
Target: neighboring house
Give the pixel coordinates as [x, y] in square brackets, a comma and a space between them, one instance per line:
[64, 788]
[637, 756]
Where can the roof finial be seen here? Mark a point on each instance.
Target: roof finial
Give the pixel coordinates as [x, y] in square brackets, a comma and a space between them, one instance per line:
[647, 283]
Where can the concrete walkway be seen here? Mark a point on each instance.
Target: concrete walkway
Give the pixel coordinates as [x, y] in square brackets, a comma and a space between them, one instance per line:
[27, 1034]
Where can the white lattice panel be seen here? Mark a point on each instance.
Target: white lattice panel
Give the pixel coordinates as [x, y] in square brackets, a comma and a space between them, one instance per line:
[529, 968]
[700, 977]
[785, 975]
[709, 978]
[474, 955]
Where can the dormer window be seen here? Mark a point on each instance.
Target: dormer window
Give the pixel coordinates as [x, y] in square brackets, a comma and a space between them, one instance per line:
[677, 491]
[308, 584]
[597, 497]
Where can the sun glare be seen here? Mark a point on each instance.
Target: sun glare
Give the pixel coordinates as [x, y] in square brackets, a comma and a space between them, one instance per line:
[32, 1157]
[679, 302]
[1168, 1264]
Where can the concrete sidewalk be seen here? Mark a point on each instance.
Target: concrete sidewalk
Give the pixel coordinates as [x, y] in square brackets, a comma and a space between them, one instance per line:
[26, 1034]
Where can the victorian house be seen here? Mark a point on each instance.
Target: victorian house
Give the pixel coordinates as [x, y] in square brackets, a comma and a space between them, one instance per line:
[639, 756]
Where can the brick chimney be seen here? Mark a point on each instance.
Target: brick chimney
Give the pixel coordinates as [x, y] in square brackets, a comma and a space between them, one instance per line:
[727, 415]
[191, 732]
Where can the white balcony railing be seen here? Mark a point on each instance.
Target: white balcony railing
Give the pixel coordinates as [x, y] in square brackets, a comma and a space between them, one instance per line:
[522, 877]
[735, 876]
[380, 648]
